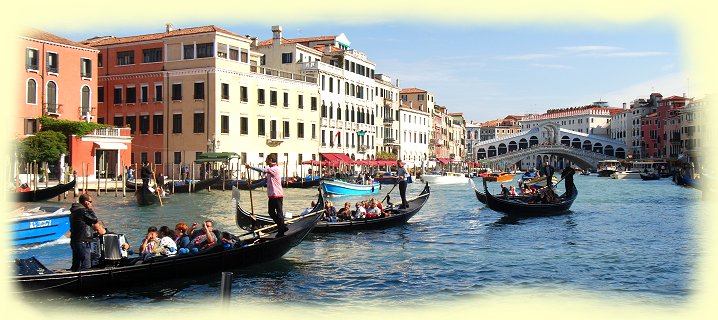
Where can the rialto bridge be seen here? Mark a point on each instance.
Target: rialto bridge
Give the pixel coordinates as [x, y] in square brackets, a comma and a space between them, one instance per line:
[548, 142]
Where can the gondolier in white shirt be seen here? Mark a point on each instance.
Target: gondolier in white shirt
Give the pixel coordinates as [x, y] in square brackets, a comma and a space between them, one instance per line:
[403, 175]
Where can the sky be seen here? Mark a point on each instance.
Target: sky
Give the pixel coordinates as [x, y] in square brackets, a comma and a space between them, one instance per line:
[488, 72]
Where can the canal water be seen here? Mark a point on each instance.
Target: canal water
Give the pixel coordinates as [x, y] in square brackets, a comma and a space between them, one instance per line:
[631, 239]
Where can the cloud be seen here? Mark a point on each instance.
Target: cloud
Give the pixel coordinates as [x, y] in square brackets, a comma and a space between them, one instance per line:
[528, 56]
[551, 66]
[590, 49]
[635, 54]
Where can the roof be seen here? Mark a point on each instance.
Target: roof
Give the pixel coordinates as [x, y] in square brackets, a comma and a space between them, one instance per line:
[111, 40]
[216, 156]
[49, 37]
[297, 40]
[411, 90]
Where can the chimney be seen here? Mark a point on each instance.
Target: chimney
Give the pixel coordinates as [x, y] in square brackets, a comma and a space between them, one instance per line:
[276, 34]
[168, 27]
[624, 106]
[254, 42]
[397, 83]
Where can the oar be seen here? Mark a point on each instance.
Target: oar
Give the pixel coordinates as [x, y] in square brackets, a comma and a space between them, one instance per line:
[390, 190]
[251, 201]
[157, 188]
[290, 221]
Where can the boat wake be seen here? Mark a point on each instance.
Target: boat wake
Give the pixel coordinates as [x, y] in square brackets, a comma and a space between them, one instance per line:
[62, 241]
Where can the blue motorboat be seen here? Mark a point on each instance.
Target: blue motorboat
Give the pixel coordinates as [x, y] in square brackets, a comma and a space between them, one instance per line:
[39, 225]
[344, 188]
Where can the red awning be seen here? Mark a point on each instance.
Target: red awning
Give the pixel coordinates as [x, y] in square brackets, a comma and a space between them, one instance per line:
[443, 160]
[337, 158]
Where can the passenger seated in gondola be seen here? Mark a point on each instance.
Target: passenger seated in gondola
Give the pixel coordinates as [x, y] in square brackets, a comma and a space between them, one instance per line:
[360, 212]
[512, 191]
[378, 204]
[227, 241]
[149, 244]
[504, 191]
[23, 188]
[167, 246]
[373, 211]
[181, 237]
[308, 210]
[330, 214]
[203, 238]
[345, 213]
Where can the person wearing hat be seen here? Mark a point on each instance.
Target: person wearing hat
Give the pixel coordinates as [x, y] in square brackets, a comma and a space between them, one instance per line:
[402, 174]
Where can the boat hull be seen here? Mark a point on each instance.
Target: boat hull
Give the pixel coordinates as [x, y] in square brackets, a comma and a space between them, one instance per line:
[344, 188]
[44, 194]
[50, 225]
[444, 179]
[625, 175]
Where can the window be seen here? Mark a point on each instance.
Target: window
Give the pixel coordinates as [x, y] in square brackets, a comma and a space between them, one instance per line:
[314, 103]
[199, 90]
[205, 50]
[285, 129]
[261, 130]
[31, 59]
[198, 122]
[31, 92]
[53, 64]
[243, 94]
[177, 123]
[314, 131]
[158, 124]
[144, 124]
[189, 51]
[125, 58]
[117, 95]
[286, 99]
[158, 157]
[152, 55]
[143, 157]
[273, 129]
[260, 96]
[301, 101]
[245, 56]
[300, 130]
[99, 60]
[331, 84]
[178, 157]
[118, 121]
[85, 100]
[131, 122]
[273, 97]
[158, 92]
[177, 91]
[100, 94]
[233, 53]
[287, 57]
[144, 94]
[225, 124]
[131, 95]
[30, 126]
[243, 125]
[225, 91]
[85, 68]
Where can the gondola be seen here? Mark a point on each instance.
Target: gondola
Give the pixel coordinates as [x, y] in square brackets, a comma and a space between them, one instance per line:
[250, 249]
[479, 195]
[44, 194]
[131, 185]
[520, 207]
[397, 216]
[650, 176]
[304, 183]
[196, 186]
[146, 197]
[240, 184]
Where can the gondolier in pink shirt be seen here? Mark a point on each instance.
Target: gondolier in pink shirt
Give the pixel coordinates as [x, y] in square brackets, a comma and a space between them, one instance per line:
[274, 192]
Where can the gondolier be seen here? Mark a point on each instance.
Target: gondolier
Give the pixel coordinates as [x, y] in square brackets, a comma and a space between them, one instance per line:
[146, 173]
[275, 193]
[83, 222]
[402, 174]
[548, 171]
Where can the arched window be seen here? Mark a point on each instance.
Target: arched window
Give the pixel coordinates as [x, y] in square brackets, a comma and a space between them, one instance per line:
[85, 100]
[51, 99]
[353, 115]
[31, 91]
[339, 112]
[331, 111]
[324, 110]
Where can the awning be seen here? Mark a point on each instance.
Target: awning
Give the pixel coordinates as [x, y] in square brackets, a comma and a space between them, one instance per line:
[443, 160]
[216, 157]
[111, 145]
[337, 158]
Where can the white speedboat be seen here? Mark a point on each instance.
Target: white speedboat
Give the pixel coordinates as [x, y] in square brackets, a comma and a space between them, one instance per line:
[632, 174]
[445, 178]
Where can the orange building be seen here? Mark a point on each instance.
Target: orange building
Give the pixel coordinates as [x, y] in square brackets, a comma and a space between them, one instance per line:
[60, 81]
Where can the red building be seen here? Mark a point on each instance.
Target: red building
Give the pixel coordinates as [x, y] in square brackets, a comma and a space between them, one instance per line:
[657, 127]
[60, 81]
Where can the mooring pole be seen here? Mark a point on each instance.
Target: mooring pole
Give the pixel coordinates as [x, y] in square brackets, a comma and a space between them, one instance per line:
[226, 288]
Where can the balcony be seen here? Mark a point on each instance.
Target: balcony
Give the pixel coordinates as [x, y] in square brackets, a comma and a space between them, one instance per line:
[362, 148]
[388, 141]
[282, 74]
[321, 66]
[111, 132]
[388, 120]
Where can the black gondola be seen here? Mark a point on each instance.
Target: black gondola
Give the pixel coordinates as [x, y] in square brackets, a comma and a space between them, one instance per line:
[251, 248]
[145, 197]
[131, 185]
[199, 185]
[44, 194]
[479, 195]
[397, 216]
[650, 176]
[521, 207]
[303, 183]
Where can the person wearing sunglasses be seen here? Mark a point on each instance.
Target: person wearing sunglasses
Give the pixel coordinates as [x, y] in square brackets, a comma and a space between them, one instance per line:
[83, 222]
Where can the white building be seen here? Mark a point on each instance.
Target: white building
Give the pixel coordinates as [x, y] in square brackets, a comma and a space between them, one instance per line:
[414, 135]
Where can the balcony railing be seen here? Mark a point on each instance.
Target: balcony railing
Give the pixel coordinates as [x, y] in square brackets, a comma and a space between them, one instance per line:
[86, 74]
[52, 69]
[389, 141]
[52, 109]
[388, 120]
[283, 74]
[108, 132]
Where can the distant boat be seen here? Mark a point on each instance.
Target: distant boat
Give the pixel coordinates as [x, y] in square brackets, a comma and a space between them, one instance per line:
[146, 197]
[521, 206]
[196, 186]
[650, 176]
[44, 194]
[607, 167]
[345, 188]
[446, 178]
[499, 177]
[39, 225]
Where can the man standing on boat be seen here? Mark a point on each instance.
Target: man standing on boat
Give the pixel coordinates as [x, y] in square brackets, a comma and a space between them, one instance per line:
[548, 171]
[402, 174]
[274, 192]
[146, 173]
[83, 222]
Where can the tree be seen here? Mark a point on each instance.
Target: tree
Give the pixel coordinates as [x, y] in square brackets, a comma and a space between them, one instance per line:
[45, 146]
